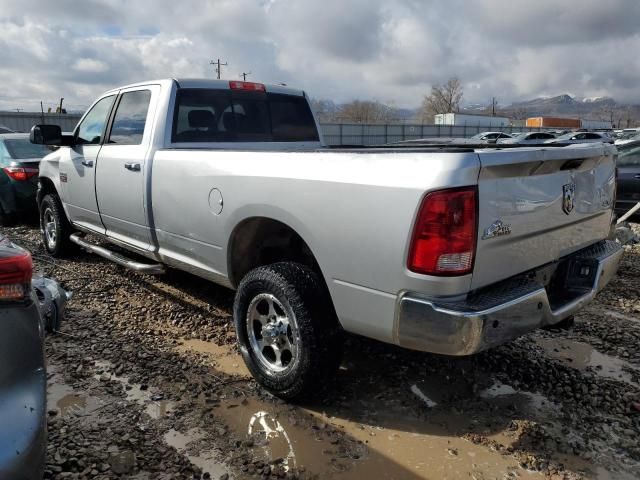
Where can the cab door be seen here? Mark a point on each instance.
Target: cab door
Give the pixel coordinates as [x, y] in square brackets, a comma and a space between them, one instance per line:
[122, 167]
[78, 166]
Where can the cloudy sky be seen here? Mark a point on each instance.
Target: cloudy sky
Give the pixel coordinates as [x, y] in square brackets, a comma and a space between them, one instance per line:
[387, 50]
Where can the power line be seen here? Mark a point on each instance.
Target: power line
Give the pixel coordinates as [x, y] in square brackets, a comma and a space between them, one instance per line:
[218, 66]
[244, 76]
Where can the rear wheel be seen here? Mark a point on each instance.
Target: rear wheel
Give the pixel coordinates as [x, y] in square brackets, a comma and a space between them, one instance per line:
[54, 226]
[286, 328]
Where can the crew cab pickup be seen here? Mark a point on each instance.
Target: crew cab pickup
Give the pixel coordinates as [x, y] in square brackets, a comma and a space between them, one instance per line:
[445, 249]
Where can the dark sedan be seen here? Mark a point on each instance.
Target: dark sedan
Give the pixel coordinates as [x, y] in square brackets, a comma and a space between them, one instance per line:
[23, 379]
[628, 178]
[19, 162]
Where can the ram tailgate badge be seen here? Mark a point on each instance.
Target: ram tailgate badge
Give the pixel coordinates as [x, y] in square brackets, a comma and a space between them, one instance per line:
[568, 197]
[496, 229]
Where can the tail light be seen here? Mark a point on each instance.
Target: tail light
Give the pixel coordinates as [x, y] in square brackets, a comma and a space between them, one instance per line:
[15, 273]
[247, 86]
[444, 235]
[20, 173]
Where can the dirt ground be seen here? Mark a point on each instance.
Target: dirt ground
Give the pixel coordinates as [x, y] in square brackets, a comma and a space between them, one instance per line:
[145, 383]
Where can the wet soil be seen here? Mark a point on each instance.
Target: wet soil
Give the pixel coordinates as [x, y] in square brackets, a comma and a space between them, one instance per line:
[145, 382]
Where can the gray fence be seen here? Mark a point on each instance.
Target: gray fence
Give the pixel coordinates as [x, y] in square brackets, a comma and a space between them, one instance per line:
[334, 133]
[23, 121]
[370, 134]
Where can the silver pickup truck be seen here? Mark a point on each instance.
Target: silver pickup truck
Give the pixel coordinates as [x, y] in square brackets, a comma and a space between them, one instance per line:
[449, 250]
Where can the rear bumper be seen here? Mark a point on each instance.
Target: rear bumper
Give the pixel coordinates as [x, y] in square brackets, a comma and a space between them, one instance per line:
[506, 310]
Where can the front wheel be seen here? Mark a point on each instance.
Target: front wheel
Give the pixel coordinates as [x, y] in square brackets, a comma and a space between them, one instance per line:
[54, 226]
[286, 328]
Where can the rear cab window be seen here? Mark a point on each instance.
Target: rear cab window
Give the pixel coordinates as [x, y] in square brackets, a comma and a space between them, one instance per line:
[220, 115]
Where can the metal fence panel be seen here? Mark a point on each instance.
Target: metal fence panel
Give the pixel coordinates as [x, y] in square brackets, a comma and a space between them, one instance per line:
[379, 134]
[23, 121]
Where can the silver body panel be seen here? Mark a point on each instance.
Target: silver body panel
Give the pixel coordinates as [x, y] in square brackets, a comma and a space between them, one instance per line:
[355, 209]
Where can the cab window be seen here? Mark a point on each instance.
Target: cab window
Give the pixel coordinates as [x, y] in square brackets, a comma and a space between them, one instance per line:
[91, 129]
[130, 118]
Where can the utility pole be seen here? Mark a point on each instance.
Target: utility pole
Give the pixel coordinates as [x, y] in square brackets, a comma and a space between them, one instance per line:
[18, 110]
[244, 76]
[41, 112]
[218, 66]
[494, 104]
[60, 107]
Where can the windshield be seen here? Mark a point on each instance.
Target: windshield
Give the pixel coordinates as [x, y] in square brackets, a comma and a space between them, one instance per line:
[629, 156]
[19, 148]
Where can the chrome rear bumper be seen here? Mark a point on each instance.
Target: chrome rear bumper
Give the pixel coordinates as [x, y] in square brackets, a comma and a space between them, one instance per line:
[504, 311]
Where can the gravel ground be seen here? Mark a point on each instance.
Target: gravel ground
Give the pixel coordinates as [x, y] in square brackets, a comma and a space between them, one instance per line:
[145, 383]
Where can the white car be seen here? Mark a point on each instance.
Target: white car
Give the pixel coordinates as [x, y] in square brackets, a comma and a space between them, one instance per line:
[529, 138]
[489, 137]
[582, 137]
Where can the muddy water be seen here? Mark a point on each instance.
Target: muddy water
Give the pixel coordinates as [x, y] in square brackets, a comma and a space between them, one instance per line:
[155, 406]
[68, 402]
[582, 356]
[186, 443]
[224, 357]
[365, 439]
[356, 450]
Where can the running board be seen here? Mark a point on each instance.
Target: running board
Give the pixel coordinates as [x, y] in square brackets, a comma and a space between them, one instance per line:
[149, 268]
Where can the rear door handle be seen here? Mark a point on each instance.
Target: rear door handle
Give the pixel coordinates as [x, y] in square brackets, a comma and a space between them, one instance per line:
[637, 176]
[134, 167]
[87, 163]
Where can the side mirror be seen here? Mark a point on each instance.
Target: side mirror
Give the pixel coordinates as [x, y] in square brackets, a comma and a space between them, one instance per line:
[46, 135]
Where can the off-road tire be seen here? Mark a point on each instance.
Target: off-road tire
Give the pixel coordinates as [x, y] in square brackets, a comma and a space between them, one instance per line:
[50, 208]
[304, 298]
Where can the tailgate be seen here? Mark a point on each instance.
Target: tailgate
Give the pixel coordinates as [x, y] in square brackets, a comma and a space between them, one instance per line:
[539, 204]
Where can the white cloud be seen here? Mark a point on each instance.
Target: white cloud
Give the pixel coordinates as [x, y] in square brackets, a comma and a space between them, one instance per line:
[90, 65]
[390, 50]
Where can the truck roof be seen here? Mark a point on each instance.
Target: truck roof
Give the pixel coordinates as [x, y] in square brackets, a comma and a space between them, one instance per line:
[209, 83]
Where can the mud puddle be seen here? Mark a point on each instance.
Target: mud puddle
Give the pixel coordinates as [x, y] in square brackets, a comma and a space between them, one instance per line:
[155, 405]
[224, 358]
[583, 356]
[69, 402]
[531, 404]
[337, 447]
[193, 445]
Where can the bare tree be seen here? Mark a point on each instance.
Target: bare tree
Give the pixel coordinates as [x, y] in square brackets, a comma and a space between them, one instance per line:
[444, 98]
[360, 111]
[520, 113]
[325, 110]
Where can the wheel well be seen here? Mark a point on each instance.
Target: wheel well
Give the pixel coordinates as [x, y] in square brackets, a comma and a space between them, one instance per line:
[261, 241]
[45, 187]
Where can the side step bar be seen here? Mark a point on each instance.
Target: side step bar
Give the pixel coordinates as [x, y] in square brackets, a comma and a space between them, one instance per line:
[149, 268]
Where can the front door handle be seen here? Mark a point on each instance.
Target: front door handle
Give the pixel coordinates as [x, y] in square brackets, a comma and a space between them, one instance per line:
[87, 163]
[638, 177]
[134, 167]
